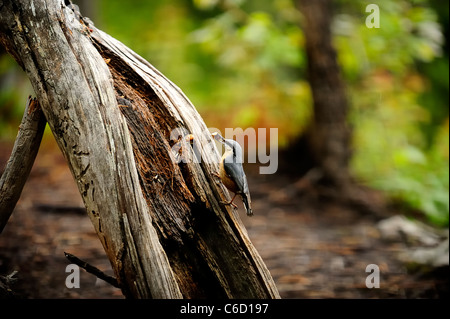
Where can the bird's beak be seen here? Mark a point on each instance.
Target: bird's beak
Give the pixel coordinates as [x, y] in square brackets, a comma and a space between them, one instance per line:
[217, 137]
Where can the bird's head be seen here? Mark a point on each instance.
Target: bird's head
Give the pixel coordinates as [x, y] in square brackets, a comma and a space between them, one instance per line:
[230, 145]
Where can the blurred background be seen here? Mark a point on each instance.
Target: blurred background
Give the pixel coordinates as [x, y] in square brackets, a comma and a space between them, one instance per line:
[243, 63]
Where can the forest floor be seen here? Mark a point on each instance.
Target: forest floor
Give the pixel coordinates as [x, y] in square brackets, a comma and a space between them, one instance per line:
[312, 249]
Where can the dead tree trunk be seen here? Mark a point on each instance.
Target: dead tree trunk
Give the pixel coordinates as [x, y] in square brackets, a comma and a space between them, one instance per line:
[161, 224]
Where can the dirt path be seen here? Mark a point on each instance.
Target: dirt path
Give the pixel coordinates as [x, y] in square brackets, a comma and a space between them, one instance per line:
[312, 251]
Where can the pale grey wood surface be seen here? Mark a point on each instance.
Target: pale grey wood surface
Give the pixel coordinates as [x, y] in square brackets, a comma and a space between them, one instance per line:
[21, 160]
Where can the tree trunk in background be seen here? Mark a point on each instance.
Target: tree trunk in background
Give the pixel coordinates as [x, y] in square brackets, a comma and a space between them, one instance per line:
[328, 139]
[329, 134]
[162, 224]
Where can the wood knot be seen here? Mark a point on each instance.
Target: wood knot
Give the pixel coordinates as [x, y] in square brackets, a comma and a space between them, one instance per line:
[32, 104]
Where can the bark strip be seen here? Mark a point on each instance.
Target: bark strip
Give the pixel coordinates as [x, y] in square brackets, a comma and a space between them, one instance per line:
[21, 161]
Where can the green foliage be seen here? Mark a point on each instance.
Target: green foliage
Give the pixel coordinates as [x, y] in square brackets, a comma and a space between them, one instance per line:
[255, 53]
[397, 137]
[391, 155]
[408, 33]
[13, 94]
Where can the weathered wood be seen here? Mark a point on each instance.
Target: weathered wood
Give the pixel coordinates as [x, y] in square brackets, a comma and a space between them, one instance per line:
[74, 89]
[21, 160]
[161, 223]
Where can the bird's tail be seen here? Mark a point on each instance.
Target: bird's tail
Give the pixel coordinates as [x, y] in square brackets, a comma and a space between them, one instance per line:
[246, 200]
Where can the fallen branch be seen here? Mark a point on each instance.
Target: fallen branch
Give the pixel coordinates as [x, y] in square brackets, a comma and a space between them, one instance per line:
[21, 160]
[60, 209]
[92, 270]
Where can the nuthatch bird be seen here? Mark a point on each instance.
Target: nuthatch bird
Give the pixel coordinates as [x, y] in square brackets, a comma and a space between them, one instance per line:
[232, 173]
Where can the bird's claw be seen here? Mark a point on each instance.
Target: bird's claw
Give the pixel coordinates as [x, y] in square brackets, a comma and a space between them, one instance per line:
[229, 203]
[218, 176]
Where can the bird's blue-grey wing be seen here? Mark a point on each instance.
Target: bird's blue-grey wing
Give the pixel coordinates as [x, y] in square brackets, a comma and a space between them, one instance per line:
[236, 172]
